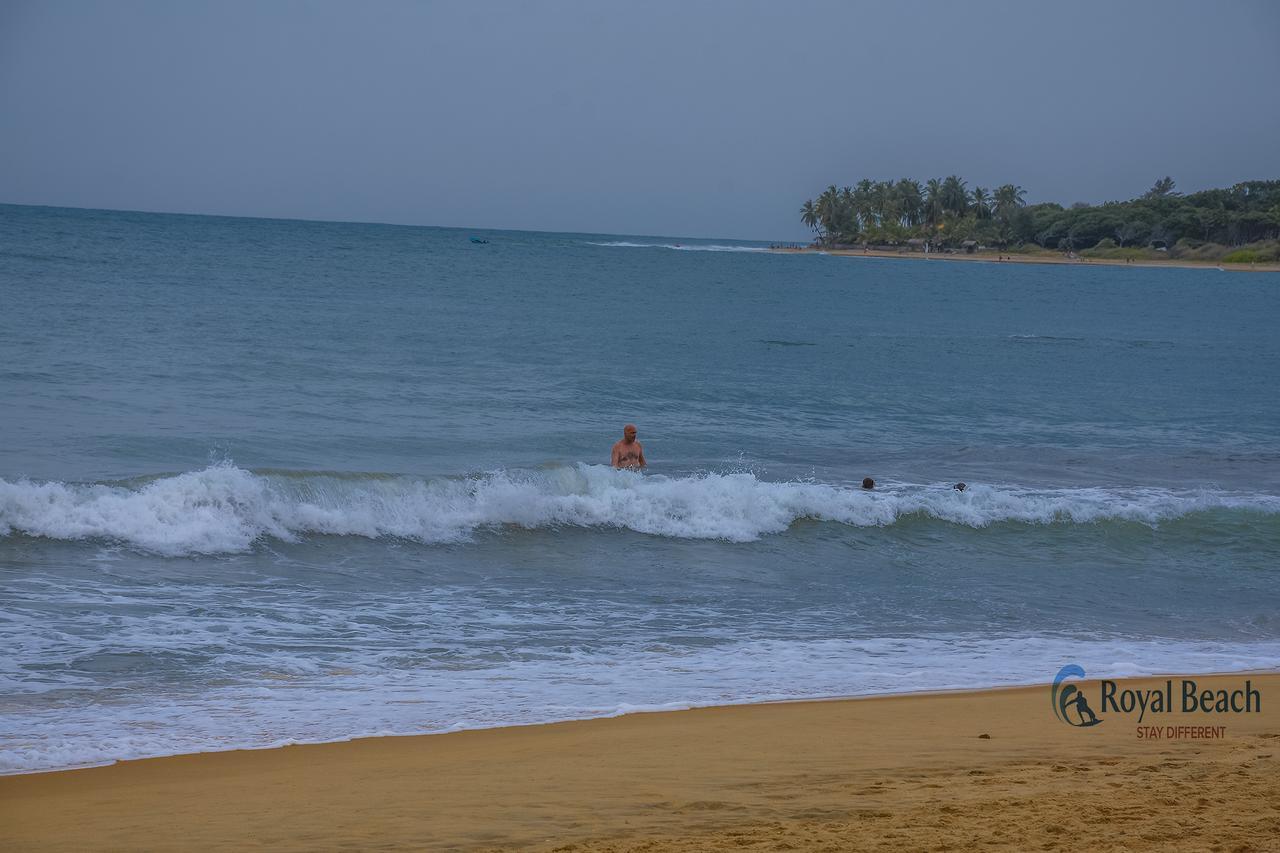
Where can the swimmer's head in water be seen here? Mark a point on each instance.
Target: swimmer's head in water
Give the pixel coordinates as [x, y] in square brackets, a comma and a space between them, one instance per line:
[629, 432]
[959, 487]
[868, 483]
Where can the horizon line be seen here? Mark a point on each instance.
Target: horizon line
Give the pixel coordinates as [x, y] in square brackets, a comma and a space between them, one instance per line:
[382, 223]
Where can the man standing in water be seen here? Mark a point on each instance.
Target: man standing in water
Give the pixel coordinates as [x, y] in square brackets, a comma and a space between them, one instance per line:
[628, 453]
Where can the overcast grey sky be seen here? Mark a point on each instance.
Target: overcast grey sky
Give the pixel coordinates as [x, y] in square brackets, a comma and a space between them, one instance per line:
[680, 118]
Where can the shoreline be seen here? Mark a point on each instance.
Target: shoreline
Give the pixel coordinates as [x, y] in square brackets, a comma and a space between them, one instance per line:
[671, 708]
[850, 771]
[1033, 259]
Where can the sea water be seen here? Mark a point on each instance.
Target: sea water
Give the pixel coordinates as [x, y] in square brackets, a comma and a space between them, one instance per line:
[265, 481]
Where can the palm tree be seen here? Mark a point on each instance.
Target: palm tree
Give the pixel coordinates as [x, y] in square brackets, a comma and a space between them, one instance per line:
[910, 202]
[864, 203]
[1008, 199]
[883, 198]
[848, 211]
[809, 215]
[981, 203]
[933, 208]
[829, 211]
[954, 197]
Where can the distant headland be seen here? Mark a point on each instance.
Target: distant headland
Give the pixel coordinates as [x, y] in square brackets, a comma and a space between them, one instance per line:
[1236, 228]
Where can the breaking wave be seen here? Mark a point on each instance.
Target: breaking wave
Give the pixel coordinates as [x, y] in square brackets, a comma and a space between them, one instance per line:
[225, 509]
[681, 247]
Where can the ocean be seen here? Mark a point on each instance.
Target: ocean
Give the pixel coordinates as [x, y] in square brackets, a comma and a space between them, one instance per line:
[268, 482]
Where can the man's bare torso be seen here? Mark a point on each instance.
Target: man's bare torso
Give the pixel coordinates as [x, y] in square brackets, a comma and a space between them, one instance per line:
[628, 455]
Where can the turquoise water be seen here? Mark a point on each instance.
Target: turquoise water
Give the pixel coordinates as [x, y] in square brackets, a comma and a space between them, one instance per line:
[267, 481]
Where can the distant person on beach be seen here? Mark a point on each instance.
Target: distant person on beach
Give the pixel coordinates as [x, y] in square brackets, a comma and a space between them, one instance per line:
[628, 453]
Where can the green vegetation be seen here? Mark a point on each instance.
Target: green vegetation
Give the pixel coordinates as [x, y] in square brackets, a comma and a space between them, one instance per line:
[1236, 225]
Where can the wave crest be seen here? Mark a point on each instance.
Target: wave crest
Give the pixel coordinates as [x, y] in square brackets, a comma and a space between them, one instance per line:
[680, 247]
[225, 509]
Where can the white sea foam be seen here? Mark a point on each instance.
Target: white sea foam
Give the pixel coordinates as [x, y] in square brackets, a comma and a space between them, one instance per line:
[362, 701]
[681, 247]
[225, 509]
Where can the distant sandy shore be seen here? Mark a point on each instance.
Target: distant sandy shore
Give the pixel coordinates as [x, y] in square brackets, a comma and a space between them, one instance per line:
[887, 773]
[994, 258]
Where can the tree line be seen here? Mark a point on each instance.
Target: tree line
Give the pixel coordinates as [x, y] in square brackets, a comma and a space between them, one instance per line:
[946, 213]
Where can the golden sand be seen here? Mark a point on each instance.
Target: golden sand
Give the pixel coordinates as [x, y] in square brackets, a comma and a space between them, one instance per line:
[887, 773]
[1047, 258]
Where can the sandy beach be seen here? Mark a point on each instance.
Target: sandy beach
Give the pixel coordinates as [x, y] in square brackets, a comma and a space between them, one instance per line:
[983, 770]
[1057, 260]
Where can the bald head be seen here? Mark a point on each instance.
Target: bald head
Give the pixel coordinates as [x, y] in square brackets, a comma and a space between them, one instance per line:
[629, 433]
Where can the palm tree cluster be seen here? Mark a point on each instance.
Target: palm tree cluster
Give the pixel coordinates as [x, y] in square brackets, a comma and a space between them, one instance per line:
[946, 213]
[894, 211]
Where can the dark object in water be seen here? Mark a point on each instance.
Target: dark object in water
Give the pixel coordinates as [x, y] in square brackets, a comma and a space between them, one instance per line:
[478, 240]
[959, 487]
[868, 483]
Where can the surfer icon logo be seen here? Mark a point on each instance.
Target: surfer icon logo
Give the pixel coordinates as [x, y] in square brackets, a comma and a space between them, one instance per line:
[1065, 698]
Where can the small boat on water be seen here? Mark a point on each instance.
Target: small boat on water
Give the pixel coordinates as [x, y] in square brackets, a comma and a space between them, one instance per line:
[478, 240]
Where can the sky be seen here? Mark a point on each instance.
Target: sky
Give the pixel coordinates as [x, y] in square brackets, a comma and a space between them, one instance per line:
[714, 119]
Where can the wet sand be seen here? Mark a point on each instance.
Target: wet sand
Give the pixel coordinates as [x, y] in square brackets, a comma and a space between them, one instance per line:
[883, 773]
